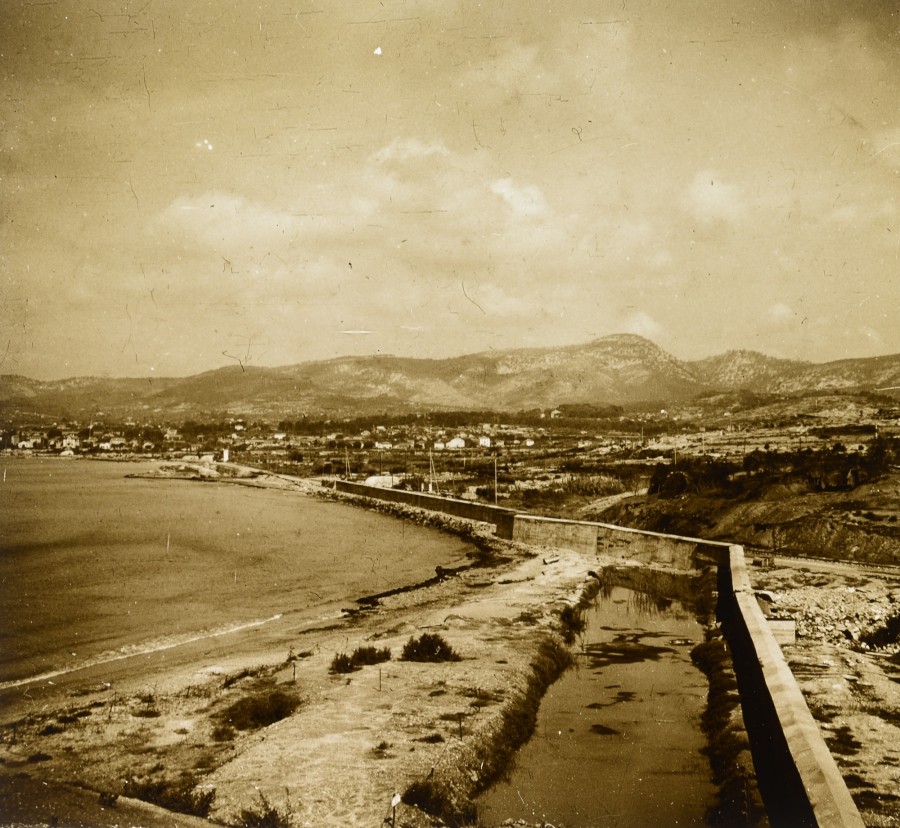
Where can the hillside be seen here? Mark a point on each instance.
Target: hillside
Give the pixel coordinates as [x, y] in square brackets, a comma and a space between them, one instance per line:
[618, 369]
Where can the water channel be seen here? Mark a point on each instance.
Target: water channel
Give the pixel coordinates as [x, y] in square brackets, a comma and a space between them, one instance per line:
[618, 737]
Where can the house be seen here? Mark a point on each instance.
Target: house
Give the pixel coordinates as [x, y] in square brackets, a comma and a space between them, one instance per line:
[456, 443]
[484, 442]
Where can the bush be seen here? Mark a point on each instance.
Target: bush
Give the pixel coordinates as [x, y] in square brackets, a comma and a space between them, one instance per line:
[342, 663]
[362, 656]
[429, 647]
[266, 815]
[178, 795]
[370, 655]
[259, 710]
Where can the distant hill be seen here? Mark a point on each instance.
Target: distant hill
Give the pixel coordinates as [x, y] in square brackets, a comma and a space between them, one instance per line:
[617, 369]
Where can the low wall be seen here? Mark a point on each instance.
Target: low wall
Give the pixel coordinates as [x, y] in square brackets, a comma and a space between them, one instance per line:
[798, 777]
[588, 538]
[468, 509]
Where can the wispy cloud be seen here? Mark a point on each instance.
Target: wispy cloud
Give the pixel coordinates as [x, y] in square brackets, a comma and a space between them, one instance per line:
[709, 198]
[525, 200]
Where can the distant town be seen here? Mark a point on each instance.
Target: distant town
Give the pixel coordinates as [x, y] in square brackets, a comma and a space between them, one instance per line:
[485, 453]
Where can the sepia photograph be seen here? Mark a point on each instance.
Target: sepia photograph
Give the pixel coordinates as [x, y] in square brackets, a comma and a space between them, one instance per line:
[423, 413]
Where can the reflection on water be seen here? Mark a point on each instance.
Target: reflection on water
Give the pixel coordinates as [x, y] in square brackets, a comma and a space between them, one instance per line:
[618, 738]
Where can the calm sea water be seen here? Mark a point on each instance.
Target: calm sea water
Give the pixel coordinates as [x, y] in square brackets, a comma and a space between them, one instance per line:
[94, 564]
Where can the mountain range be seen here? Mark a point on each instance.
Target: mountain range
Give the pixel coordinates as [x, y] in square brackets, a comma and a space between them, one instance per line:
[618, 369]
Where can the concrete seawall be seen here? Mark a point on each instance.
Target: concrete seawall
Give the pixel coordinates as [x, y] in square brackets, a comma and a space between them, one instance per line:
[798, 777]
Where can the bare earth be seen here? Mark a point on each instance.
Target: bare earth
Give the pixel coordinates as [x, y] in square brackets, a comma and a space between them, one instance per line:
[358, 739]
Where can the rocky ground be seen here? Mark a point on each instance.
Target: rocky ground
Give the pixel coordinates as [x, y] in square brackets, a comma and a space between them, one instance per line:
[847, 662]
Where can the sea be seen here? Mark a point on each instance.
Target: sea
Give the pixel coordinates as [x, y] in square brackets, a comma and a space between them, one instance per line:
[96, 565]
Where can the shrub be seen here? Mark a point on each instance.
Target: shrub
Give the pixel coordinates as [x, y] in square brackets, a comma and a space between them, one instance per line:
[223, 733]
[429, 647]
[265, 815]
[342, 663]
[259, 710]
[50, 729]
[362, 656]
[370, 655]
[174, 795]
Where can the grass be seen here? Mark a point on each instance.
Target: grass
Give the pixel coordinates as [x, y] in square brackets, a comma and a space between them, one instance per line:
[429, 647]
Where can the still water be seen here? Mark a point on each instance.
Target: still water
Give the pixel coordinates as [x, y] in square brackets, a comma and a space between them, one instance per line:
[94, 565]
[618, 737]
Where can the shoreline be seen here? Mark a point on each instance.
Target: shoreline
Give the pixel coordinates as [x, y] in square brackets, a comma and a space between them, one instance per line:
[388, 729]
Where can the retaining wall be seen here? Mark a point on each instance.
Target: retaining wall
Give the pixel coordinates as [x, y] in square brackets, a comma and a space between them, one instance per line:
[468, 509]
[798, 777]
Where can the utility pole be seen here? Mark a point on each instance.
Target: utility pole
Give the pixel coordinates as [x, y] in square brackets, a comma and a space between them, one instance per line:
[495, 479]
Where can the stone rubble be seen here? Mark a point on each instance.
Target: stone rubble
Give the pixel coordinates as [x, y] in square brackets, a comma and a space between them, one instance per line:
[844, 615]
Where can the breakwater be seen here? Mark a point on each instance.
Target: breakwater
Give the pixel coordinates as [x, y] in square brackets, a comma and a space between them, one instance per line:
[798, 777]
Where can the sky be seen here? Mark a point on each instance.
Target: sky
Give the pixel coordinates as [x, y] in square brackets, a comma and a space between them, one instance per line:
[186, 185]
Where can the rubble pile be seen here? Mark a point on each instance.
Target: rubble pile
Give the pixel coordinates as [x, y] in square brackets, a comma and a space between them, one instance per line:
[846, 616]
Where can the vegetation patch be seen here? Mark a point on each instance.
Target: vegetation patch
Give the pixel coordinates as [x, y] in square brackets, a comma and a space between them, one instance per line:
[179, 795]
[429, 647]
[359, 658]
[231, 680]
[261, 709]
[842, 741]
[265, 815]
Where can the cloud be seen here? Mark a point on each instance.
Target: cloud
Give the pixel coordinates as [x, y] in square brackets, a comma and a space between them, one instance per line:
[709, 199]
[642, 324]
[406, 149]
[780, 314]
[524, 201]
[217, 219]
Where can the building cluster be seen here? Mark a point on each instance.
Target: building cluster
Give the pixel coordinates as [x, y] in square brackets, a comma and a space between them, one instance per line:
[237, 436]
